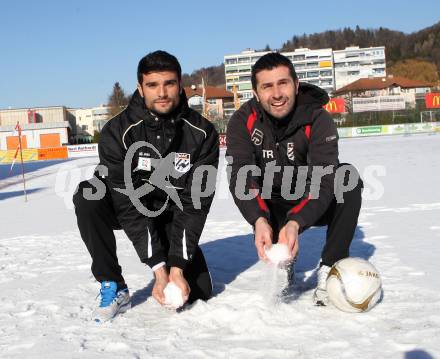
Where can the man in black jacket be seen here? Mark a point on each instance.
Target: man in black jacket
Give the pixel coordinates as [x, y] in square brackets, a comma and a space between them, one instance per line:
[152, 183]
[285, 172]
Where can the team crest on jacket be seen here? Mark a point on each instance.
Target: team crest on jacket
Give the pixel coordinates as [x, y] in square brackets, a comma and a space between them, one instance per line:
[182, 162]
[257, 137]
[290, 151]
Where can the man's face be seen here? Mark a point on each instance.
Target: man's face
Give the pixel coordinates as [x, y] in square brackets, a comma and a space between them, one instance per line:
[276, 91]
[161, 91]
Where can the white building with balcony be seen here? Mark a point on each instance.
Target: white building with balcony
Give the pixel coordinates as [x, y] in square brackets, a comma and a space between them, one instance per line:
[325, 68]
[355, 63]
[313, 66]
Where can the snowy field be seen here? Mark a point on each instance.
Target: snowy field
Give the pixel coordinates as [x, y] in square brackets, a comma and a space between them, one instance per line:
[48, 293]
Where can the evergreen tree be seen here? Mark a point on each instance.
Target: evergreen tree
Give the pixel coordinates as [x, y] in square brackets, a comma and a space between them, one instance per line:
[117, 100]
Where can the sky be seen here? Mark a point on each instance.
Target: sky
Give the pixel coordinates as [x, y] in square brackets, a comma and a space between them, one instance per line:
[72, 52]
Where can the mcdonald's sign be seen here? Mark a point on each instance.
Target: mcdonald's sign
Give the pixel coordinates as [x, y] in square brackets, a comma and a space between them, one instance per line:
[432, 100]
[335, 105]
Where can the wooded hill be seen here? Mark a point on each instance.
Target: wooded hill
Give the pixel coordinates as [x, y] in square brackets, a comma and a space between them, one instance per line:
[422, 46]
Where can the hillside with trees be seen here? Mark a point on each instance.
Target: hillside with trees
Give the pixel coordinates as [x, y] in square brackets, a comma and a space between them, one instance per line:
[422, 46]
[213, 75]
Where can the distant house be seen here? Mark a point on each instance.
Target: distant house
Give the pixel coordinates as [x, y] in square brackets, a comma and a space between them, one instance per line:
[219, 102]
[90, 120]
[41, 127]
[383, 93]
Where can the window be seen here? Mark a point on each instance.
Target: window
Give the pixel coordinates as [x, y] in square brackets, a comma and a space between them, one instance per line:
[247, 95]
[299, 66]
[244, 78]
[326, 73]
[326, 82]
[299, 57]
[231, 69]
[230, 61]
[244, 69]
[353, 73]
[247, 86]
[312, 64]
[353, 64]
[301, 75]
[255, 58]
[312, 57]
[242, 60]
[313, 74]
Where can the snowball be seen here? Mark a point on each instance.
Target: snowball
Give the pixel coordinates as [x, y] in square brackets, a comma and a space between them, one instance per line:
[278, 253]
[173, 295]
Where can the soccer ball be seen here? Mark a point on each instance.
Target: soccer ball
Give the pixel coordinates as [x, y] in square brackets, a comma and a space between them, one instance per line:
[354, 285]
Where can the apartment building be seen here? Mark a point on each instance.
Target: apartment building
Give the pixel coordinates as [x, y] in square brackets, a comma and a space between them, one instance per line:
[321, 67]
[354, 63]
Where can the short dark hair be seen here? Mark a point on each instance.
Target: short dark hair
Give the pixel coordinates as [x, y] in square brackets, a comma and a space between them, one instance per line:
[270, 61]
[158, 61]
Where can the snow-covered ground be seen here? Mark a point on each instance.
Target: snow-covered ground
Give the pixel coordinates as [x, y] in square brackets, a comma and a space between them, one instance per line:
[47, 291]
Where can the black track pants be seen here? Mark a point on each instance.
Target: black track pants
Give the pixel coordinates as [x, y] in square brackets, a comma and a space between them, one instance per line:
[341, 219]
[97, 221]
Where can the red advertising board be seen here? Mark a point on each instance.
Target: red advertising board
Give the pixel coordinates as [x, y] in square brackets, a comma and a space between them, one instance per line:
[335, 105]
[432, 100]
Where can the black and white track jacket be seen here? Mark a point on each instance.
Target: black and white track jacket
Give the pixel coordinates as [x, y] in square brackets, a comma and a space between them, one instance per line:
[310, 139]
[188, 141]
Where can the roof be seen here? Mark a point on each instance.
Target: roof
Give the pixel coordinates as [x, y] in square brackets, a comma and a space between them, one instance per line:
[211, 92]
[379, 83]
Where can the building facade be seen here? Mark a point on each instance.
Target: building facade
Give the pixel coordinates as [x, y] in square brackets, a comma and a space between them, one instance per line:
[219, 102]
[317, 67]
[354, 63]
[42, 127]
[90, 120]
[383, 93]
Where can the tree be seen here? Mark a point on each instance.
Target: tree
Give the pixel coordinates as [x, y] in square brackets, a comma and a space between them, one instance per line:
[95, 137]
[415, 70]
[117, 100]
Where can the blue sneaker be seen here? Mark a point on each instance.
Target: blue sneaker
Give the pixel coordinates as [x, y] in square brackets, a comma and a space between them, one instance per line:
[112, 303]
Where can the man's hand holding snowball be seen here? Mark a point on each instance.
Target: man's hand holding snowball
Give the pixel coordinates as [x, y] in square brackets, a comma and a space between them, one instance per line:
[289, 237]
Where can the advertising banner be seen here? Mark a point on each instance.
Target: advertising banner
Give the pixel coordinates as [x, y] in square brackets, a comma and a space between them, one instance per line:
[378, 103]
[54, 153]
[367, 131]
[82, 150]
[432, 100]
[335, 105]
[29, 154]
[345, 132]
